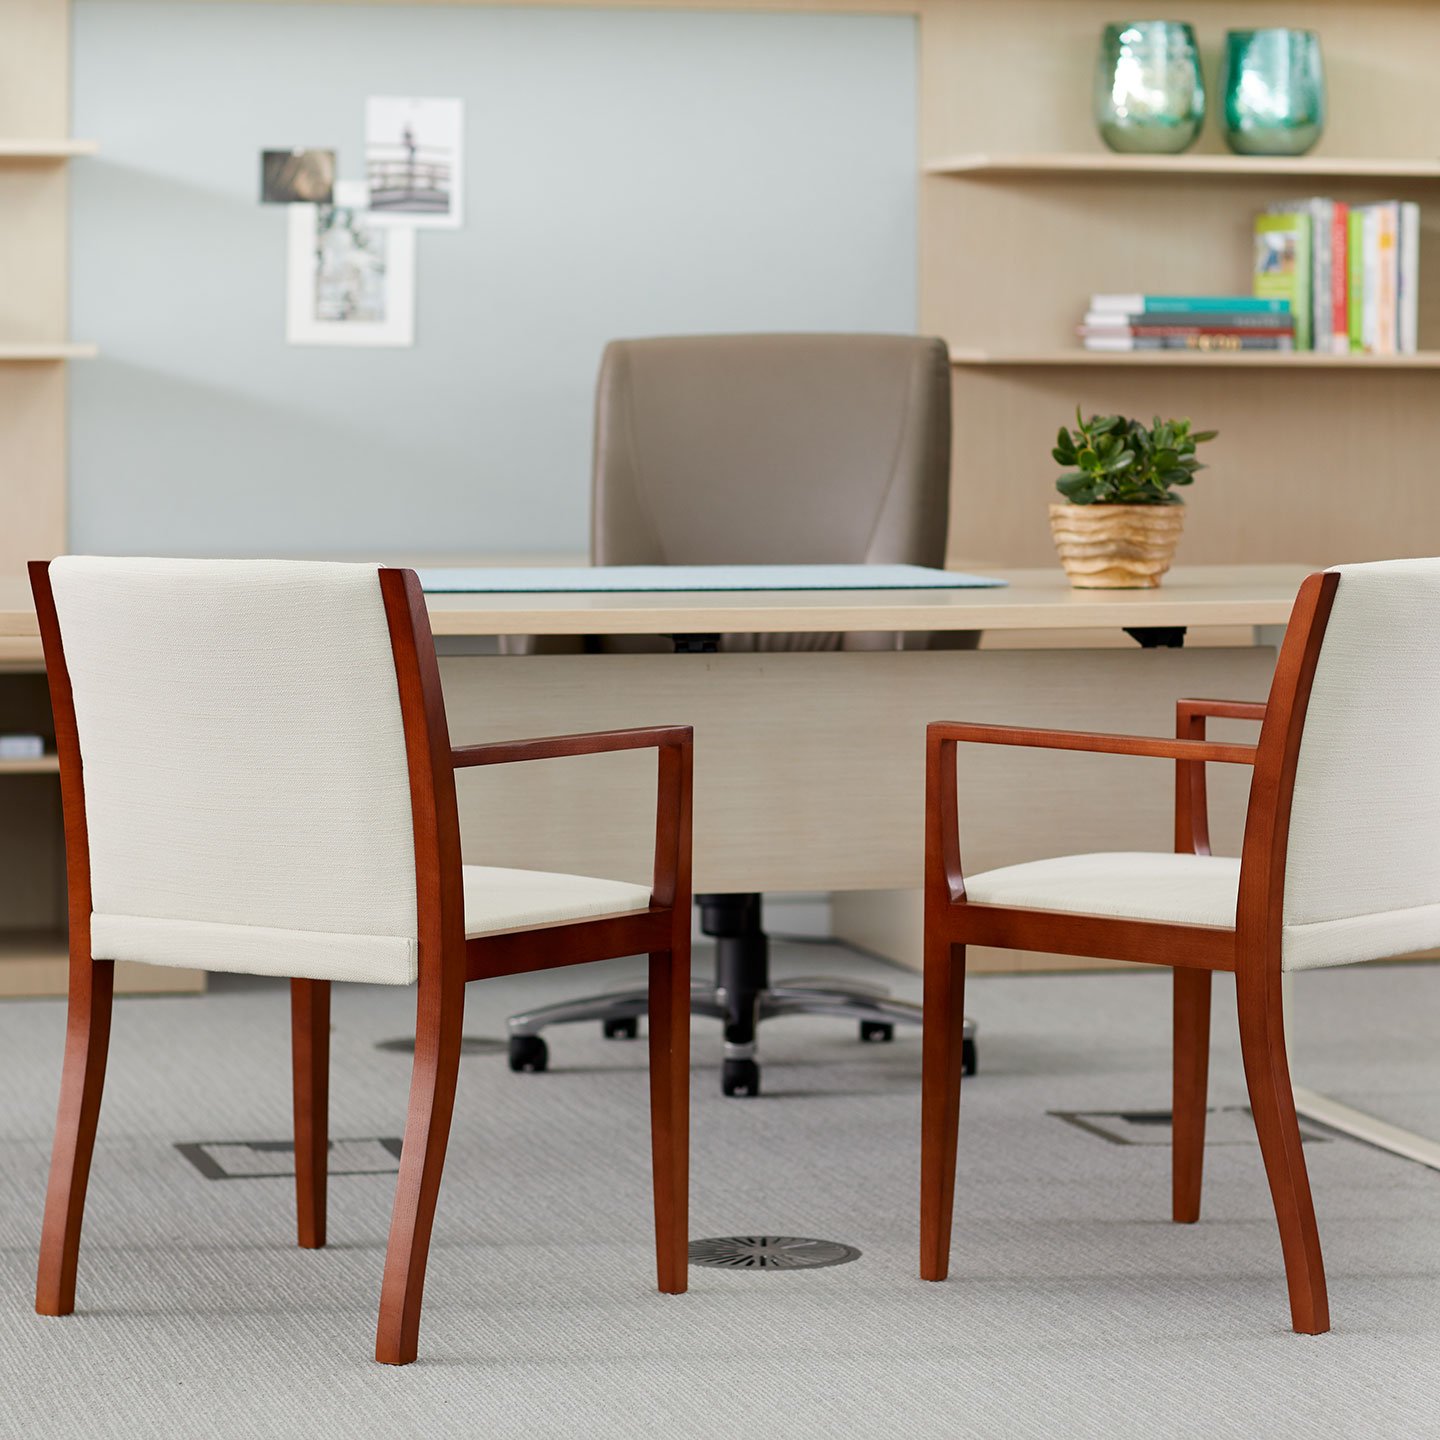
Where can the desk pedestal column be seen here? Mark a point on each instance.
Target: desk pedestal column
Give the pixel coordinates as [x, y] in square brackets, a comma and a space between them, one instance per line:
[742, 974]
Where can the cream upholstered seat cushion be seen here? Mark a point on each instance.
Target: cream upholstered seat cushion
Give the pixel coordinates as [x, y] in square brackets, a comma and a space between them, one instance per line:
[1179, 889]
[497, 900]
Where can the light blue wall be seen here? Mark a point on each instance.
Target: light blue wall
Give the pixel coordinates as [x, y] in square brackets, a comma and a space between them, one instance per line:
[628, 172]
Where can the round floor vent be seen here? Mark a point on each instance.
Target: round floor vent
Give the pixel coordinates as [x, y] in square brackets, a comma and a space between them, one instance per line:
[770, 1252]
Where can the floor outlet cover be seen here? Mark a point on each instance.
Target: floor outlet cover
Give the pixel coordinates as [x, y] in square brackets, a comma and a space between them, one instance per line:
[770, 1252]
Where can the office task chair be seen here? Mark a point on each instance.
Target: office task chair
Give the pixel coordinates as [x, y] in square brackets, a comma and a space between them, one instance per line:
[257, 776]
[1338, 865]
[764, 449]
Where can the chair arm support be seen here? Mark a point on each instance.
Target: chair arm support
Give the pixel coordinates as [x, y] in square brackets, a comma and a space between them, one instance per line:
[1192, 804]
[944, 877]
[554, 747]
[673, 824]
[945, 732]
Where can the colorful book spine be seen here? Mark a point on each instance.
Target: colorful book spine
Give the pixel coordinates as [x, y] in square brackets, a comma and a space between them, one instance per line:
[1283, 266]
[1270, 331]
[1340, 278]
[1387, 277]
[1408, 325]
[1322, 219]
[1321, 211]
[1189, 304]
[1206, 320]
[1370, 269]
[1356, 302]
[1190, 342]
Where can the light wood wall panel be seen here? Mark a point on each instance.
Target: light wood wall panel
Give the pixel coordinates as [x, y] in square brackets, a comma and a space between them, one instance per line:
[1311, 466]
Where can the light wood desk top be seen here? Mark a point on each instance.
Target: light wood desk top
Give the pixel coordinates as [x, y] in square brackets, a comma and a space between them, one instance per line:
[1235, 595]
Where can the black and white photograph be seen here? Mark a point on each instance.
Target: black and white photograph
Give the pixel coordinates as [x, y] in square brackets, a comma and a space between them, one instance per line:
[297, 176]
[413, 150]
[351, 281]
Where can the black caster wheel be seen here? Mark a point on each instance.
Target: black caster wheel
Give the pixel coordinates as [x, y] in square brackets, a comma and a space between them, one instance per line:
[740, 1077]
[876, 1030]
[621, 1029]
[967, 1057]
[528, 1052]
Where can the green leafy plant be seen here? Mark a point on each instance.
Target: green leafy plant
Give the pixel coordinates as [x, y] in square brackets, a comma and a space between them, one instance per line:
[1110, 460]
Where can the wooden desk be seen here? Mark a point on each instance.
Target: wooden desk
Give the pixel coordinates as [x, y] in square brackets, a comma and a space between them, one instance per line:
[809, 766]
[1241, 595]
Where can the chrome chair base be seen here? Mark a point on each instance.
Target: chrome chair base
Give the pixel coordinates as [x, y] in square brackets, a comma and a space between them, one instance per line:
[620, 1012]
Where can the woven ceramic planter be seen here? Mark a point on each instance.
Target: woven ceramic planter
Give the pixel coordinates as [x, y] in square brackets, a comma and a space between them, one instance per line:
[1116, 547]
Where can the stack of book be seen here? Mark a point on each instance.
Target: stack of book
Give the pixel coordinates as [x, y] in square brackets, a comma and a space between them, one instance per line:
[1350, 272]
[1189, 322]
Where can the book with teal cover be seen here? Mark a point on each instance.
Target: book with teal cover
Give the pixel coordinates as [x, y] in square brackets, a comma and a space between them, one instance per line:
[1191, 304]
[1282, 267]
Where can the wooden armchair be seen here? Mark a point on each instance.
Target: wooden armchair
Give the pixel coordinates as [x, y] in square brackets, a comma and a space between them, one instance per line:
[256, 775]
[1338, 865]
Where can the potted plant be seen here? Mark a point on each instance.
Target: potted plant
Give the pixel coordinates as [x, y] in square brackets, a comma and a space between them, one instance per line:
[1120, 521]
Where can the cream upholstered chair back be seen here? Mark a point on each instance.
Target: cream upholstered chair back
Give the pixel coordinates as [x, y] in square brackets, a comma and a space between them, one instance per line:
[246, 788]
[1362, 877]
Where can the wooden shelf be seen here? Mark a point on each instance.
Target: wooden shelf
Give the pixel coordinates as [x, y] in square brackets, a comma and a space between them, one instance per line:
[36, 963]
[1255, 359]
[46, 149]
[1217, 166]
[31, 351]
[44, 765]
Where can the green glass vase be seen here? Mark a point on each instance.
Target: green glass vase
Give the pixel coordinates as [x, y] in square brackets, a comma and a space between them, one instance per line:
[1274, 86]
[1149, 94]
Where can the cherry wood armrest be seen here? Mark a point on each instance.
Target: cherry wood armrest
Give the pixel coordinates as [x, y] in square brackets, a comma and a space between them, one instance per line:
[1192, 804]
[673, 803]
[554, 747]
[944, 878]
[1219, 709]
[1157, 746]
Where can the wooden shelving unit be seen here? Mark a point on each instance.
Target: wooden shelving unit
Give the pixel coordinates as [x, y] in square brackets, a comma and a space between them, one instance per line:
[35, 156]
[35, 352]
[1223, 167]
[36, 963]
[1241, 359]
[41, 765]
[1024, 215]
[27, 150]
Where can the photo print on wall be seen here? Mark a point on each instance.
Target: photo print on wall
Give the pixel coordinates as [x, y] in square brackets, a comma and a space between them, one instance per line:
[413, 163]
[351, 281]
[290, 176]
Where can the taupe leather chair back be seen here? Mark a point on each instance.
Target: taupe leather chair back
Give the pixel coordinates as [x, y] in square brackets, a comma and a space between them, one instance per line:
[772, 449]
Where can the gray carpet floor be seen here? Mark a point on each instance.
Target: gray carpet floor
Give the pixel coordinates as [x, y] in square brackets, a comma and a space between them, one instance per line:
[1074, 1307]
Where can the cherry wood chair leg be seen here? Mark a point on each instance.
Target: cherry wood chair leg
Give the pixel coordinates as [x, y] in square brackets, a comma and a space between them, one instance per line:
[1267, 1074]
[310, 1058]
[943, 1046]
[1192, 1070]
[670, 1113]
[82, 1083]
[422, 1159]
